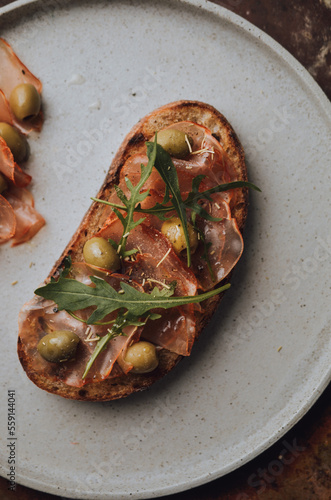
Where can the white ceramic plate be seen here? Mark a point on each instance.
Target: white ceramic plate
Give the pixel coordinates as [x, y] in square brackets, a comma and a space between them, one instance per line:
[103, 66]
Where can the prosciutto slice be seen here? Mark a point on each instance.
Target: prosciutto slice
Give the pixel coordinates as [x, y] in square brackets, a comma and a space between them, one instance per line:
[14, 72]
[157, 264]
[131, 170]
[28, 220]
[148, 240]
[175, 330]
[7, 220]
[208, 159]
[5, 113]
[17, 205]
[224, 241]
[10, 169]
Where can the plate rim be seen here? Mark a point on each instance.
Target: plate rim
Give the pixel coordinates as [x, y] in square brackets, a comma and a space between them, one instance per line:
[239, 22]
[261, 38]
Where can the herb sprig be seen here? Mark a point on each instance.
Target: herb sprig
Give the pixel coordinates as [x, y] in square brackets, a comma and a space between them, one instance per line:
[191, 202]
[129, 204]
[162, 161]
[134, 307]
[72, 295]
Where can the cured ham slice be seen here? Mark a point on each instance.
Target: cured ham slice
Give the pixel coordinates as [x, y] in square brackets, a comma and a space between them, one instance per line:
[22, 194]
[17, 205]
[157, 261]
[157, 264]
[10, 169]
[224, 243]
[103, 365]
[175, 330]
[5, 113]
[223, 239]
[13, 73]
[131, 170]
[148, 240]
[206, 152]
[7, 220]
[28, 220]
[207, 159]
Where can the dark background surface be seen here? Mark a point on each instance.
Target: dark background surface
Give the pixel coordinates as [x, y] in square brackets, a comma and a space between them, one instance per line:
[298, 466]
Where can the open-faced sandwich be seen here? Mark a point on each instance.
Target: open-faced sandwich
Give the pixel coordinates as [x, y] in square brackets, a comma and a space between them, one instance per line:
[149, 263]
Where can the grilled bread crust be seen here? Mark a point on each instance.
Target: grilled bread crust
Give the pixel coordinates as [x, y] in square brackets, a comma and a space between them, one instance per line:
[144, 130]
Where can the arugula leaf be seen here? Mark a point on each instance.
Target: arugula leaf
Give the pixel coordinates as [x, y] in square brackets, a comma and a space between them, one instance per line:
[115, 331]
[164, 165]
[71, 295]
[193, 197]
[130, 203]
[160, 209]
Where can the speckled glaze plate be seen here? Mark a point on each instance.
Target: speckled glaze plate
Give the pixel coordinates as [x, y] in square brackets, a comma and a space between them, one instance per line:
[265, 358]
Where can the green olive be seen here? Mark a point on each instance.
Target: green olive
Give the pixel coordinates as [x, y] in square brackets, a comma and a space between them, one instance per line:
[58, 346]
[99, 252]
[142, 355]
[25, 101]
[175, 142]
[173, 230]
[16, 142]
[3, 184]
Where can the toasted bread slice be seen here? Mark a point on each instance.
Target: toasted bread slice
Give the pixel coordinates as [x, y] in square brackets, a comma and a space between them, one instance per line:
[193, 111]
